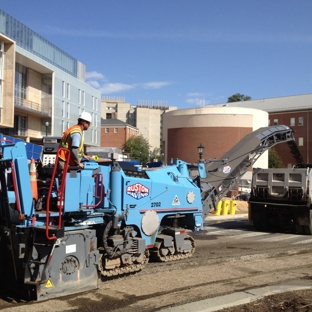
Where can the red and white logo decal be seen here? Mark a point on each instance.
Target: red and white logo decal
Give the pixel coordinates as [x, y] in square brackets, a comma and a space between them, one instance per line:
[137, 191]
[227, 169]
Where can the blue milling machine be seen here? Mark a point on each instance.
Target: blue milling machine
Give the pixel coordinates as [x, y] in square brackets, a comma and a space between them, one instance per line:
[108, 219]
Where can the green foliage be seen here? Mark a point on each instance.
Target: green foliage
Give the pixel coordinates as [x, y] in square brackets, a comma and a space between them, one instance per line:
[274, 159]
[138, 148]
[156, 155]
[238, 97]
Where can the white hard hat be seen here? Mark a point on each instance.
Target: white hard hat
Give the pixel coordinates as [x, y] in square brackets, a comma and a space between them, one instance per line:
[86, 116]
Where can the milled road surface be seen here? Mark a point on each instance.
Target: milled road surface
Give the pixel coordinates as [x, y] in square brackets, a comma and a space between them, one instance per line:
[230, 256]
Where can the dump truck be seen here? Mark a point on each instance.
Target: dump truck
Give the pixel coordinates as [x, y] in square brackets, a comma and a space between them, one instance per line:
[281, 200]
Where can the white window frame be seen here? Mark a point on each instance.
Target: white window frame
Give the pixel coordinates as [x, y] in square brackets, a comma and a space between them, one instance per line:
[300, 121]
[300, 141]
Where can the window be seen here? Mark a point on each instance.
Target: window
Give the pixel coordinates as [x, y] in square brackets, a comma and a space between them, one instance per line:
[68, 110]
[79, 96]
[108, 116]
[63, 89]
[68, 91]
[20, 125]
[63, 108]
[106, 130]
[20, 81]
[83, 98]
[292, 122]
[115, 130]
[275, 122]
[300, 121]
[300, 141]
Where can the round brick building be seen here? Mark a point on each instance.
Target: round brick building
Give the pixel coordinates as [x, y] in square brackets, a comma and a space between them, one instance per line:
[218, 129]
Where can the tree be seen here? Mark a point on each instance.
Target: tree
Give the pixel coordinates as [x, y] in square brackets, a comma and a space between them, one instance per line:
[238, 97]
[274, 159]
[138, 148]
[155, 154]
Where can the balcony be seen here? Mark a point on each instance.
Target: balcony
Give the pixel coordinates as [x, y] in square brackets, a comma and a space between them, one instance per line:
[33, 107]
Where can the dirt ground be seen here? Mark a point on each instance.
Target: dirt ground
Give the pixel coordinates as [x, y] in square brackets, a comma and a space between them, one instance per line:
[220, 265]
[296, 301]
[299, 301]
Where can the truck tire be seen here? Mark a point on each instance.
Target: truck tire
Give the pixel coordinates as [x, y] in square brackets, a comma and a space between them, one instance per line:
[260, 225]
[258, 218]
[308, 227]
[304, 227]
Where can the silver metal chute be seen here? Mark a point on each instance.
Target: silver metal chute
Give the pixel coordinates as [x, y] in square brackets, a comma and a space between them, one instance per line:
[223, 174]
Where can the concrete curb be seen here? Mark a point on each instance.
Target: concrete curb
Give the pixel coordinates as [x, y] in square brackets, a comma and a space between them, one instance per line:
[240, 297]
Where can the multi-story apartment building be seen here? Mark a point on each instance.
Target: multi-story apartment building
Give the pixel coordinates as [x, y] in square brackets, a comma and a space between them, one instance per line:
[146, 116]
[42, 88]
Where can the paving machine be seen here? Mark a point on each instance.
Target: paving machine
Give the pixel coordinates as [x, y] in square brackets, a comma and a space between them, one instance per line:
[61, 235]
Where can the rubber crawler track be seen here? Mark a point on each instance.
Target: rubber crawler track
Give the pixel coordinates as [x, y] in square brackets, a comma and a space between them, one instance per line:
[155, 255]
[123, 269]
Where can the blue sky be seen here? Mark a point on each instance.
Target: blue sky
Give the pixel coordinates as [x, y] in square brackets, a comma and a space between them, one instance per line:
[187, 53]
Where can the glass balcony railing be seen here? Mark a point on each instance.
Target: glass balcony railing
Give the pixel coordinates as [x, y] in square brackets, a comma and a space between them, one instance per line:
[45, 109]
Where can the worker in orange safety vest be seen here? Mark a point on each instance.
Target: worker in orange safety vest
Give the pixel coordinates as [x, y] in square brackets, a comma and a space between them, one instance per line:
[72, 140]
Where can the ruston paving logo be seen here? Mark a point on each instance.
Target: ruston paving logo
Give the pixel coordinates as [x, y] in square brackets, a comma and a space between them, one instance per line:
[227, 169]
[137, 190]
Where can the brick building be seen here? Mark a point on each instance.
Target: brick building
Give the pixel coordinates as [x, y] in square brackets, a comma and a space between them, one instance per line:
[293, 111]
[218, 129]
[146, 116]
[114, 133]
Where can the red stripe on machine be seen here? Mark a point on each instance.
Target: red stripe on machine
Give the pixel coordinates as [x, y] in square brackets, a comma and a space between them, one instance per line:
[171, 209]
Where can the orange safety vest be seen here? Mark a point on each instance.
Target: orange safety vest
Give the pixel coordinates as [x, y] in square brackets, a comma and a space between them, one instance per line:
[66, 143]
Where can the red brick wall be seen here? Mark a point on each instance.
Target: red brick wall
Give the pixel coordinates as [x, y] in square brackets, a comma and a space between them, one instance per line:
[183, 142]
[112, 139]
[303, 131]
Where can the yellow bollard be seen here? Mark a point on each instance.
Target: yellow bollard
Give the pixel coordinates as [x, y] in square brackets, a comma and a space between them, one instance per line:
[225, 207]
[218, 211]
[233, 207]
[249, 214]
